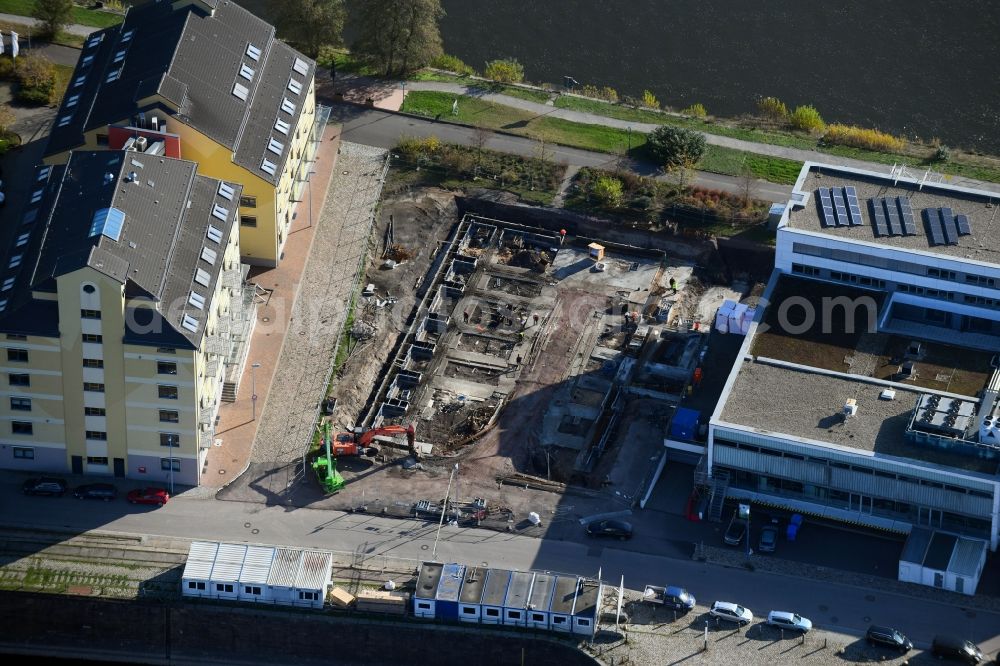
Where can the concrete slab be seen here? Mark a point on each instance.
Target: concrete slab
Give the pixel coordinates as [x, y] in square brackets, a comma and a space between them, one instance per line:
[573, 265]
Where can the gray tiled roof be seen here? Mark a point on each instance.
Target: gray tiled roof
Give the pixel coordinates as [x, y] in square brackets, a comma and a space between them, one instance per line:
[192, 60]
[167, 210]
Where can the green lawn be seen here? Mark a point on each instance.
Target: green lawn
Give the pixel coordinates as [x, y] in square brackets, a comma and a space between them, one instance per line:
[730, 161]
[597, 107]
[94, 18]
[529, 94]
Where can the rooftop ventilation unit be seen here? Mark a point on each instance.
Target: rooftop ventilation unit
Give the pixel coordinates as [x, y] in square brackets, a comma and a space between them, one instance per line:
[140, 143]
[850, 407]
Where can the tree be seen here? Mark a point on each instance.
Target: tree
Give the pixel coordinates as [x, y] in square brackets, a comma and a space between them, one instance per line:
[676, 146]
[807, 118]
[398, 36]
[508, 70]
[480, 137]
[54, 14]
[311, 24]
[609, 191]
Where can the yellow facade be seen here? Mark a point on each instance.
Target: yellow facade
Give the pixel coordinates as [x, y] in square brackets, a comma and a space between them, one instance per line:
[271, 212]
[99, 406]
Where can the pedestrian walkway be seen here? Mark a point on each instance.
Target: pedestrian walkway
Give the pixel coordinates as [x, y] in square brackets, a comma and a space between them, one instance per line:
[288, 418]
[548, 110]
[72, 28]
[238, 421]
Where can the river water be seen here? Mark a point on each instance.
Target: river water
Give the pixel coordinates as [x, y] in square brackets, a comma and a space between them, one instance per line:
[920, 68]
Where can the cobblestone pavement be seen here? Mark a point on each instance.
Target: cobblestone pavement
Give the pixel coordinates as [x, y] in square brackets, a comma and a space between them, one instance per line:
[318, 314]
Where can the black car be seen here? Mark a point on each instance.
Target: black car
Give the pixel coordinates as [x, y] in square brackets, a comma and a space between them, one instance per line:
[888, 637]
[98, 491]
[768, 539]
[736, 530]
[610, 528]
[959, 649]
[44, 486]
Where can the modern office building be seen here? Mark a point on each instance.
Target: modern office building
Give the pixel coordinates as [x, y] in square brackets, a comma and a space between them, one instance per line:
[866, 390]
[122, 304]
[207, 81]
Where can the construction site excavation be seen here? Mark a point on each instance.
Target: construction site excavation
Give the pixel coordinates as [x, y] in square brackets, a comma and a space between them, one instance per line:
[518, 358]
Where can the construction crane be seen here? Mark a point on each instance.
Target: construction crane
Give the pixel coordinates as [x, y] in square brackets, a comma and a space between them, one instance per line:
[357, 443]
[326, 466]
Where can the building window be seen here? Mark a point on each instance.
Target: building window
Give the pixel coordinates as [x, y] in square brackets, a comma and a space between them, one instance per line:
[220, 587]
[16, 336]
[90, 337]
[513, 615]
[102, 139]
[97, 460]
[558, 620]
[20, 404]
[24, 453]
[248, 221]
[170, 439]
[251, 589]
[166, 368]
[95, 411]
[166, 350]
[90, 314]
[492, 612]
[468, 610]
[167, 463]
[167, 392]
[93, 387]
[308, 596]
[537, 617]
[583, 623]
[248, 201]
[17, 355]
[99, 435]
[169, 416]
[21, 427]
[93, 363]
[19, 379]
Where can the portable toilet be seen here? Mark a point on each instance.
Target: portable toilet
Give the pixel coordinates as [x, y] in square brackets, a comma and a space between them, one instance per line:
[427, 584]
[585, 610]
[469, 608]
[494, 593]
[253, 578]
[448, 590]
[538, 602]
[198, 569]
[515, 606]
[226, 571]
[561, 607]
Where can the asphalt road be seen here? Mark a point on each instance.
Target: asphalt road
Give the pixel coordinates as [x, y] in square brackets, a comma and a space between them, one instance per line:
[380, 128]
[841, 608]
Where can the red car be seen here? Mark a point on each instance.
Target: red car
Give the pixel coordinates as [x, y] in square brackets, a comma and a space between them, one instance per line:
[157, 496]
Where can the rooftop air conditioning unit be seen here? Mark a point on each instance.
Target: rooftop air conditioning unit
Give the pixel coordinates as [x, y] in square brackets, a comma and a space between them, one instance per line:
[850, 407]
[140, 143]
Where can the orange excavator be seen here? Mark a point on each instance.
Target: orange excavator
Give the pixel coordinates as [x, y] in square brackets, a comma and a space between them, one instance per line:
[357, 443]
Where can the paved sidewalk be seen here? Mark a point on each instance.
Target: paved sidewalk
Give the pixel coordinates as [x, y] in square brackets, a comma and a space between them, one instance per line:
[287, 420]
[72, 28]
[594, 119]
[237, 427]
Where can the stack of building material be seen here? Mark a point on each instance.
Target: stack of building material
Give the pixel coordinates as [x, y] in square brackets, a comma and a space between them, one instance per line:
[341, 598]
[393, 602]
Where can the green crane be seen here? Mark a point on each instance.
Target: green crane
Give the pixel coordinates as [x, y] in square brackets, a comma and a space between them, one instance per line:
[326, 467]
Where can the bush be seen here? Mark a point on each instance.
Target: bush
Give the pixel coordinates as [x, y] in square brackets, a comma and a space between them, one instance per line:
[676, 146]
[452, 64]
[7, 68]
[605, 93]
[504, 71]
[942, 153]
[773, 108]
[859, 137]
[36, 78]
[807, 119]
[608, 190]
[649, 100]
[696, 111]
[415, 148]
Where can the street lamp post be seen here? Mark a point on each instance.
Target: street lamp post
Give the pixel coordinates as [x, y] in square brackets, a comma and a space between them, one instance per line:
[444, 510]
[253, 390]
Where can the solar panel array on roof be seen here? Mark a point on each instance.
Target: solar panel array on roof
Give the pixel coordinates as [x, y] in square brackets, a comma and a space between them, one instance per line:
[892, 216]
[933, 219]
[840, 206]
[853, 207]
[878, 217]
[962, 222]
[909, 226]
[948, 224]
[825, 207]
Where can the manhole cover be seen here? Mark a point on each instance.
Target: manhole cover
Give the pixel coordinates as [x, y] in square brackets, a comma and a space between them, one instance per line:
[869, 597]
[247, 525]
[265, 319]
[255, 531]
[423, 547]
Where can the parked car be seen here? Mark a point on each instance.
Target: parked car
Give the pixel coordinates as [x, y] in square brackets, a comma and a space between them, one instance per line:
[610, 528]
[157, 496]
[768, 539]
[678, 598]
[787, 620]
[44, 486]
[888, 637]
[726, 610]
[98, 491]
[959, 649]
[736, 530]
